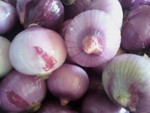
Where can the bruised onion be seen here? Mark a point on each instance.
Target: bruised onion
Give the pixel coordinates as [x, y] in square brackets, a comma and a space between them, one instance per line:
[19, 92]
[55, 107]
[7, 17]
[5, 64]
[46, 13]
[126, 80]
[92, 38]
[68, 83]
[37, 51]
[136, 37]
[98, 102]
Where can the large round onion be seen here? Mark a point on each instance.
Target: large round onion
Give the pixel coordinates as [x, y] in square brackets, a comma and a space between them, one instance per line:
[126, 80]
[92, 38]
[37, 51]
[68, 83]
[19, 92]
[8, 17]
[5, 64]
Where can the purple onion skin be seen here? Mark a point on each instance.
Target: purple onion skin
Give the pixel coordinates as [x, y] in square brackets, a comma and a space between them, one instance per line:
[46, 13]
[133, 3]
[68, 83]
[135, 37]
[98, 102]
[8, 17]
[91, 42]
[55, 107]
[19, 92]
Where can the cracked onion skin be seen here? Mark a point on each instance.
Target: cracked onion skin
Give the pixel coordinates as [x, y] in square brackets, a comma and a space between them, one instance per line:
[37, 51]
[92, 38]
[126, 80]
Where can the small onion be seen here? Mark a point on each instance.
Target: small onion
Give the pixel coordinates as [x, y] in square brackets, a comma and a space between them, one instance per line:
[55, 107]
[37, 51]
[68, 83]
[126, 80]
[8, 17]
[5, 64]
[98, 102]
[46, 13]
[92, 38]
[19, 92]
[135, 38]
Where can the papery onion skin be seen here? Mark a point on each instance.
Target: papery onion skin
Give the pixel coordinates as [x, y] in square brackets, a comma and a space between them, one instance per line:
[98, 102]
[8, 17]
[37, 51]
[5, 64]
[19, 92]
[126, 80]
[55, 107]
[134, 36]
[112, 7]
[68, 83]
[92, 36]
[46, 13]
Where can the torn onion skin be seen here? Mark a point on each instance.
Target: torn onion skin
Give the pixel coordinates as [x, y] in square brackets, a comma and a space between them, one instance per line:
[126, 81]
[37, 51]
[19, 92]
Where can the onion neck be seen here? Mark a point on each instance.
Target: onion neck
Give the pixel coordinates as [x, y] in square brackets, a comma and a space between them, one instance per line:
[92, 45]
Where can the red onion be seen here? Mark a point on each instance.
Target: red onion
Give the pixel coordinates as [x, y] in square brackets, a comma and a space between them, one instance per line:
[8, 17]
[63, 28]
[112, 7]
[126, 80]
[55, 107]
[37, 51]
[134, 36]
[19, 92]
[92, 36]
[5, 65]
[68, 83]
[133, 3]
[98, 102]
[46, 13]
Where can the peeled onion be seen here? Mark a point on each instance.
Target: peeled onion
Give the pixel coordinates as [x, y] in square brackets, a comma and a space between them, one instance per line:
[92, 38]
[37, 51]
[19, 92]
[126, 80]
[68, 83]
[5, 64]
